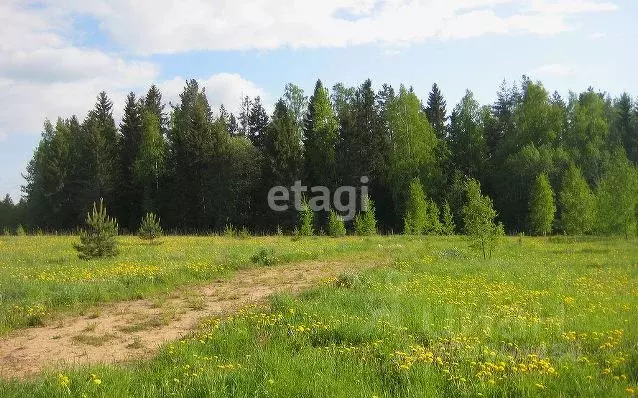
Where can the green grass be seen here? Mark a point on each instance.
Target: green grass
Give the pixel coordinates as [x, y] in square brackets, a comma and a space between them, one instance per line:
[41, 276]
[544, 317]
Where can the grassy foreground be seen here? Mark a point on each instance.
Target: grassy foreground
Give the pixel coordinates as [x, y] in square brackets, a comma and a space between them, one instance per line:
[545, 317]
[42, 275]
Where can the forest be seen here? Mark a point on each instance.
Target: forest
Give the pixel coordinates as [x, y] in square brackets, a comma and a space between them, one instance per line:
[202, 170]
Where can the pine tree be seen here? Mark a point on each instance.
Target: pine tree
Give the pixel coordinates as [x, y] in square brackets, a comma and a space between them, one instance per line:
[577, 203]
[99, 239]
[436, 112]
[479, 219]
[150, 228]
[542, 207]
[336, 226]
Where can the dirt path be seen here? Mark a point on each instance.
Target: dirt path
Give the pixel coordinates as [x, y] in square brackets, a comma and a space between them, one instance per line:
[136, 329]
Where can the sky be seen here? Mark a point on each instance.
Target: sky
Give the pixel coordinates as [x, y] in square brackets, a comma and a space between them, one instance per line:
[57, 55]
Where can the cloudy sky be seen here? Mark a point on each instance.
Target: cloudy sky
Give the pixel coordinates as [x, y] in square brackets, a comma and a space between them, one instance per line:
[56, 55]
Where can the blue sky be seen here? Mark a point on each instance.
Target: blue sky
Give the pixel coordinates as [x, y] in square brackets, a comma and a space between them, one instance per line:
[56, 55]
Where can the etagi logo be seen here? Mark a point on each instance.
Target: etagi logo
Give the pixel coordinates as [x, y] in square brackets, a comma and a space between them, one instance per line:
[279, 198]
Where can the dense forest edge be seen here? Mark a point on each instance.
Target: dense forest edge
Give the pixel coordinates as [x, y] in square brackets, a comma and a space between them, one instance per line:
[550, 164]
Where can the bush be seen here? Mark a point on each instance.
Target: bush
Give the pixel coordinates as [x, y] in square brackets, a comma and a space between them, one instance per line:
[98, 240]
[336, 226]
[243, 233]
[306, 220]
[20, 231]
[264, 257]
[230, 231]
[150, 228]
[6, 231]
[447, 227]
[347, 280]
[365, 223]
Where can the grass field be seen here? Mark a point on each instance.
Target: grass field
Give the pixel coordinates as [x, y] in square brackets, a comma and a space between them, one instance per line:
[544, 317]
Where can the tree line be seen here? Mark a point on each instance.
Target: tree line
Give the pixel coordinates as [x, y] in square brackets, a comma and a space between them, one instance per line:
[549, 164]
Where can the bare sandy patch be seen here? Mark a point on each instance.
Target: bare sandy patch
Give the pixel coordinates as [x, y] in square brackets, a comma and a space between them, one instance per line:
[134, 330]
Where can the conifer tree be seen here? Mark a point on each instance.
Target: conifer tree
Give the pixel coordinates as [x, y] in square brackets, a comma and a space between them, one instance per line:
[99, 238]
[150, 228]
[436, 112]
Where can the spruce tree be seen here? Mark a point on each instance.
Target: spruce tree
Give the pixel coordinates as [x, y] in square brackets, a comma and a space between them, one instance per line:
[436, 112]
[541, 206]
[99, 238]
[128, 191]
[577, 203]
[257, 122]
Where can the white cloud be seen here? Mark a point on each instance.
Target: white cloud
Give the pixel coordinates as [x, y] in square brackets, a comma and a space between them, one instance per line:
[44, 75]
[553, 70]
[166, 26]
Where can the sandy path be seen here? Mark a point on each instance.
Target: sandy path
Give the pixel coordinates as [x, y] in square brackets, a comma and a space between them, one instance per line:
[136, 329]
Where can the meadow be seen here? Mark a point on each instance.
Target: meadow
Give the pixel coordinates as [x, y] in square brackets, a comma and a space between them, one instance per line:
[554, 316]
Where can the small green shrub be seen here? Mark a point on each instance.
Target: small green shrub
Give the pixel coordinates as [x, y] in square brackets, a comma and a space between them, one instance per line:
[365, 223]
[347, 280]
[230, 231]
[264, 257]
[150, 228]
[20, 231]
[336, 226]
[99, 239]
[306, 221]
[243, 233]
